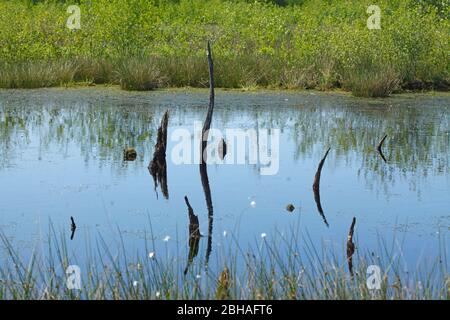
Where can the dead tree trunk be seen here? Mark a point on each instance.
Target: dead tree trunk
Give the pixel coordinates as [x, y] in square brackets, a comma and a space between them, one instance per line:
[209, 114]
[203, 144]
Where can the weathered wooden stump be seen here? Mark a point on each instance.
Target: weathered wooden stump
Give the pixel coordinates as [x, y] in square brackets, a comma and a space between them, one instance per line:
[158, 165]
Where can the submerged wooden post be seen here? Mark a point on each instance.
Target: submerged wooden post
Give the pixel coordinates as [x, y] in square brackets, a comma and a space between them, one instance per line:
[351, 247]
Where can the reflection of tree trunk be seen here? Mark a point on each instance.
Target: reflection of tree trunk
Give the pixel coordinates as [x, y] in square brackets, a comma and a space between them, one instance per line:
[209, 205]
[319, 206]
[194, 235]
[351, 247]
[316, 187]
[158, 166]
[222, 149]
[73, 227]
[379, 148]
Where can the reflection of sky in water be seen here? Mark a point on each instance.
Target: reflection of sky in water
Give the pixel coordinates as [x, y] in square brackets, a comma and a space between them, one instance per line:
[62, 156]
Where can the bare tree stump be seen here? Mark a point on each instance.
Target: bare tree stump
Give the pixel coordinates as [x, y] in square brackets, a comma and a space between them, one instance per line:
[158, 165]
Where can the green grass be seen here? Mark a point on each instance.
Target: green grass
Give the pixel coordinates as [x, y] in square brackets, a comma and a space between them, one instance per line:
[147, 44]
[278, 267]
[36, 74]
[139, 73]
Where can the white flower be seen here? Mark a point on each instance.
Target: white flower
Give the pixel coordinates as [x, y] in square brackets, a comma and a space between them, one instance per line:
[263, 235]
[198, 276]
[157, 294]
[135, 283]
[224, 233]
[166, 238]
[253, 204]
[151, 255]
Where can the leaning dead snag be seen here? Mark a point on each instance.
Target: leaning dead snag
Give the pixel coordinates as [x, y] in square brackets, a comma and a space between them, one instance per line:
[350, 247]
[316, 187]
[379, 148]
[194, 235]
[209, 114]
[158, 165]
[316, 184]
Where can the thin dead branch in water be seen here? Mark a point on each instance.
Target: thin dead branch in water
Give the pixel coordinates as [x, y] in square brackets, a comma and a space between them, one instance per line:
[158, 165]
[316, 184]
[379, 148]
[73, 227]
[351, 247]
[194, 235]
[316, 187]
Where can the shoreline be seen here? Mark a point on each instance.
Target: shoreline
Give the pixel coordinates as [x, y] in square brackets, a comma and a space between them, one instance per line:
[259, 90]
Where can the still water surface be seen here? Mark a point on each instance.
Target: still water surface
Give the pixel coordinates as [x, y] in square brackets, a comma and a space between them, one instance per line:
[62, 156]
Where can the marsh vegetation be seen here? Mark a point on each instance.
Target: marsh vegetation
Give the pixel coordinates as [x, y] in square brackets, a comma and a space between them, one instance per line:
[143, 45]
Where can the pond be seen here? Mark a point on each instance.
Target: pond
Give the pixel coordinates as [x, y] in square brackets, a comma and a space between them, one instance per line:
[62, 156]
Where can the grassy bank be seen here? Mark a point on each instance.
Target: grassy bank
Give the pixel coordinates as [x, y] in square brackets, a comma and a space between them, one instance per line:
[143, 45]
[276, 267]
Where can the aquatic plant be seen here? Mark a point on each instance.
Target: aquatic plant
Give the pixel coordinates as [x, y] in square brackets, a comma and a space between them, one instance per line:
[281, 266]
